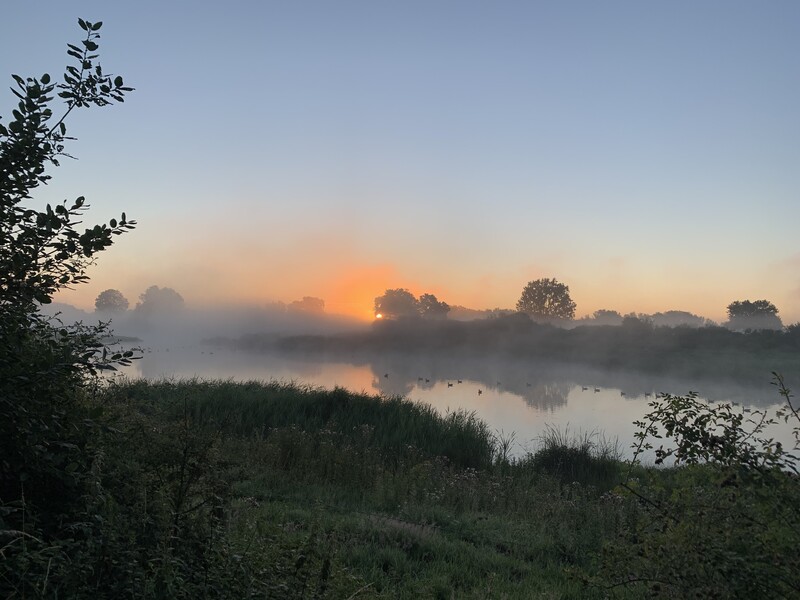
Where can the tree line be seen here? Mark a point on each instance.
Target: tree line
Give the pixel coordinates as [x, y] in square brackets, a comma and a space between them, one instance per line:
[548, 300]
[165, 300]
[153, 300]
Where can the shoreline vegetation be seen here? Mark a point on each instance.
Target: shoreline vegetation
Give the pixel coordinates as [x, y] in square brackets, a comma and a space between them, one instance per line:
[706, 352]
[199, 489]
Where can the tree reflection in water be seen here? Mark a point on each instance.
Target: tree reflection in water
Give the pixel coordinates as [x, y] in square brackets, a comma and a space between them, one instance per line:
[539, 388]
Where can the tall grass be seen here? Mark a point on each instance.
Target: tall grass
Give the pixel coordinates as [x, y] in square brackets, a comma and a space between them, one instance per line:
[393, 426]
[583, 457]
[332, 492]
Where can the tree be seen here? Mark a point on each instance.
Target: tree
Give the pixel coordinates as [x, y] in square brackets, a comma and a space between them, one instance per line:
[607, 317]
[499, 313]
[678, 318]
[309, 305]
[396, 304]
[761, 314]
[45, 474]
[156, 300]
[638, 323]
[111, 301]
[431, 308]
[546, 298]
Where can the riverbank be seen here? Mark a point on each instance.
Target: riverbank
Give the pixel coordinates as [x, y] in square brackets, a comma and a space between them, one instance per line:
[222, 489]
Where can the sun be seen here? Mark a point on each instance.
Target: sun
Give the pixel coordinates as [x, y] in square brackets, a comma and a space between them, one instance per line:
[379, 316]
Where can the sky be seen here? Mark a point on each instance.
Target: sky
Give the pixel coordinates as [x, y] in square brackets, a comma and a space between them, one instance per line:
[643, 153]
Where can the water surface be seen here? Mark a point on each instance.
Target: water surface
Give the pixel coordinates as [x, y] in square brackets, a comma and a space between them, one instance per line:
[516, 398]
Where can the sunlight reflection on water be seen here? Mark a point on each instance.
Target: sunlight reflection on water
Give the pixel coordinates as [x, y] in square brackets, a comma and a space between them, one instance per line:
[517, 397]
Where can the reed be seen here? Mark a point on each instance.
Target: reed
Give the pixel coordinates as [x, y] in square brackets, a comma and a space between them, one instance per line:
[583, 457]
[394, 426]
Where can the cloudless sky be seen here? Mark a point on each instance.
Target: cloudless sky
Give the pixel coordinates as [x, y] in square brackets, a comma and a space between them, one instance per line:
[646, 154]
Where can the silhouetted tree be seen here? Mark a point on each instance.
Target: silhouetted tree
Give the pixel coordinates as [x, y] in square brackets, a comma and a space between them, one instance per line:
[546, 298]
[678, 318]
[498, 313]
[431, 308]
[637, 322]
[607, 317]
[111, 301]
[49, 438]
[308, 304]
[396, 304]
[156, 300]
[761, 314]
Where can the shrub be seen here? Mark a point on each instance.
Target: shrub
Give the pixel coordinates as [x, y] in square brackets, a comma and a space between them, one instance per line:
[724, 521]
[49, 465]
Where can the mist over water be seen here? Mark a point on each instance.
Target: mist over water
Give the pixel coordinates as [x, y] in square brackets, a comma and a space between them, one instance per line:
[519, 397]
[497, 368]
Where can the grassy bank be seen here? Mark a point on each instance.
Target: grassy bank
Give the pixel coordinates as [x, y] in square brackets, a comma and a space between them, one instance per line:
[221, 489]
[383, 496]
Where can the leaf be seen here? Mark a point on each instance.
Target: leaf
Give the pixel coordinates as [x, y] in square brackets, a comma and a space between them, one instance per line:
[117, 81]
[96, 26]
[83, 25]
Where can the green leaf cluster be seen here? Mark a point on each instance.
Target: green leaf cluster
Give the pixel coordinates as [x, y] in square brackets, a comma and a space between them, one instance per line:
[48, 429]
[724, 520]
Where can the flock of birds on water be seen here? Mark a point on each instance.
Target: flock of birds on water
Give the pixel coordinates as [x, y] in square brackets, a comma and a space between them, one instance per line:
[480, 391]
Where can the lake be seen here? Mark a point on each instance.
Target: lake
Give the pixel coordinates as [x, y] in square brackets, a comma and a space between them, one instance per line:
[513, 397]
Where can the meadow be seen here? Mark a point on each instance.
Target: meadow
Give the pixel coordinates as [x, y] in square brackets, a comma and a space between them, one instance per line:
[199, 489]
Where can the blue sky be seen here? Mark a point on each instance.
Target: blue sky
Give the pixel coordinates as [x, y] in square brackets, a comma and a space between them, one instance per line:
[643, 153]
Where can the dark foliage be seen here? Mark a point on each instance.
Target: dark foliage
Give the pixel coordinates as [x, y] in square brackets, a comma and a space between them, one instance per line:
[635, 345]
[724, 522]
[545, 299]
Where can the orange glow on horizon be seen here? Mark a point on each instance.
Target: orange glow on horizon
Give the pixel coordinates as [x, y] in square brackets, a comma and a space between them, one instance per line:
[353, 291]
[349, 287]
